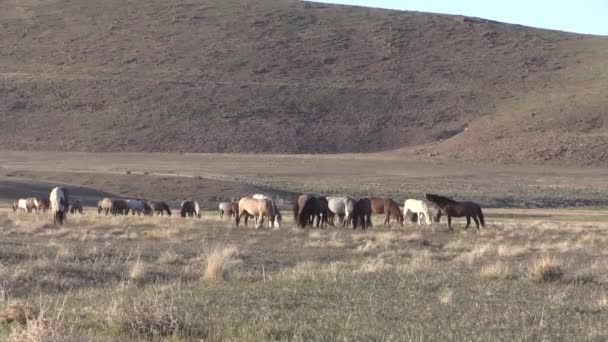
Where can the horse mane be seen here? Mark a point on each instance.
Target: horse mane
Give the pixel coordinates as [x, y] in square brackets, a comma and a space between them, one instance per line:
[439, 200]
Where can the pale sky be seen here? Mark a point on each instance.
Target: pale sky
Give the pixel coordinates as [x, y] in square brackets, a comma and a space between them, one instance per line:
[581, 16]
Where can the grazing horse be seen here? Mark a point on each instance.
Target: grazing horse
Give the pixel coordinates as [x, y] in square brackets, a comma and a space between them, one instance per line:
[337, 207]
[104, 205]
[119, 207]
[452, 208]
[391, 208]
[44, 204]
[190, 208]
[225, 208]
[15, 206]
[362, 214]
[160, 208]
[308, 207]
[31, 204]
[277, 219]
[76, 207]
[258, 208]
[138, 206]
[59, 204]
[22, 205]
[422, 209]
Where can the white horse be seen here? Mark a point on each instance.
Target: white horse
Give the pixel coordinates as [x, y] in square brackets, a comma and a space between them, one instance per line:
[277, 219]
[343, 207]
[138, 206]
[197, 209]
[422, 209]
[22, 204]
[59, 204]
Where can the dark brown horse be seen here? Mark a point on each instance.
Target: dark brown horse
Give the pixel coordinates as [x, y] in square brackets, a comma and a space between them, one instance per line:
[388, 207]
[451, 208]
[308, 207]
[76, 207]
[44, 204]
[362, 216]
[119, 207]
[159, 207]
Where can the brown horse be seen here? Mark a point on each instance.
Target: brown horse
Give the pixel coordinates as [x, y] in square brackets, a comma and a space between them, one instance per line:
[75, 207]
[452, 208]
[362, 215]
[44, 204]
[227, 208]
[159, 207]
[258, 208]
[308, 207]
[388, 207]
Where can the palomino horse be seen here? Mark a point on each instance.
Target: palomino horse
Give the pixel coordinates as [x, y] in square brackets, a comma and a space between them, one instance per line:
[258, 208]
[277, 219]
[452, 208]
[75, 207]
[362, 216]
[160, 208]
[104, 205]
[190, 208]
[308, 207]
[60, 204]
[388, 207]
[422, 209]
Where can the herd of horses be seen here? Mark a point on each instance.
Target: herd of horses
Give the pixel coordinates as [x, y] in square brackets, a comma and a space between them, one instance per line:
[309, 210]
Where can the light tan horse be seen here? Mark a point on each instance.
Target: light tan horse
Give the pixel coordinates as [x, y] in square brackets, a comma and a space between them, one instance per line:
[258, 208]
[104, 205]
[31, 204]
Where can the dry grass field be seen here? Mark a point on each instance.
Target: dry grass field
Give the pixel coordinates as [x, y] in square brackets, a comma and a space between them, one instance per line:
[529, 275]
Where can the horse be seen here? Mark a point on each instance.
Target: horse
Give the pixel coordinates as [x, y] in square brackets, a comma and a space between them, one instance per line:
[362, 214]
[159, 207]
[452, 208]
[277, 219]
[337, 207]
[76, 207]
[190, 208]
[22, 205]
[104, 205]
[15, 206]
[225, 208]
[422, 209]
[391, 208]
[308, 207]
[138, 206]
[258, 208]
[119, 207]
[44, 204]
[31, 204]
[60, 204]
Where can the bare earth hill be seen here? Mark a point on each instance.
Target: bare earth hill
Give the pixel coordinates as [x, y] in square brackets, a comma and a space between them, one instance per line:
[283, 76]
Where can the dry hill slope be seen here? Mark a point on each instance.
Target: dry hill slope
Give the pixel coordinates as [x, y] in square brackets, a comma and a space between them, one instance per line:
[289, 76]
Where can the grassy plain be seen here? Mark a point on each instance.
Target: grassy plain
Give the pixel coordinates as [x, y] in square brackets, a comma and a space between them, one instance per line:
[530, 274]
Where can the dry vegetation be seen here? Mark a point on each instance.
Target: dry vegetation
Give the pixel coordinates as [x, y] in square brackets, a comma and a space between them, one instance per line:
[113, 278]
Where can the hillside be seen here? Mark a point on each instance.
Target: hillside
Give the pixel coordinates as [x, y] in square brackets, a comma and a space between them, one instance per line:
[284, 76]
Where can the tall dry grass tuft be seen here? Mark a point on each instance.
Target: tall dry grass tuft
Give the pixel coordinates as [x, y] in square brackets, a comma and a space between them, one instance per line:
[220, 259]
[545, 269]
[137, 269]
[38, 328]
[496, 271]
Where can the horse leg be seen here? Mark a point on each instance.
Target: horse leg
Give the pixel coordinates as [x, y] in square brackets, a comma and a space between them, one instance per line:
[468, 222]
[450, 222]
[476, 221]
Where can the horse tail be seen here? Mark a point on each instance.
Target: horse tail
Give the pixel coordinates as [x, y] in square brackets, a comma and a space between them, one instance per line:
[481, 219]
